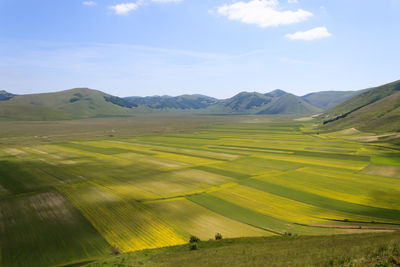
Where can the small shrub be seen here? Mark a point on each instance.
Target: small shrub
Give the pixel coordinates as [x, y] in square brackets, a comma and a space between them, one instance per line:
[288, 234]
[346, 220]
[218, 236]
[194, 239]
[115, 251]
[193, 246]
[381, 264]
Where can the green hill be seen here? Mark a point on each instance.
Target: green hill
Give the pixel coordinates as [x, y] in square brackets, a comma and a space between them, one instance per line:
[377, 109]
[79, 102]
[365, 98]
[16, 111]
[328, 99]
[245, 102]
[184, 102]
[342, 250]
[289, 104]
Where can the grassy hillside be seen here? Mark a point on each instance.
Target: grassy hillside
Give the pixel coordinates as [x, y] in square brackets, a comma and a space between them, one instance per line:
[28, 112]
[380, 116]
[183, 102]
[377, 109]
[365, 98]
[80, 103]
[344, 250]
[289, 104]
[328, 99]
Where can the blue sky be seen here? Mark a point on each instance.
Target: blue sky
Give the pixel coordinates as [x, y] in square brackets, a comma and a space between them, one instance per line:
[217, 48]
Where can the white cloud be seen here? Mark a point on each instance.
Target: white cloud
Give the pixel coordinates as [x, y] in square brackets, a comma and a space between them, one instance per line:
[264, 13]
[293, 1]
[124, 9]
[313, 34]
[89, 3]
[166, 1]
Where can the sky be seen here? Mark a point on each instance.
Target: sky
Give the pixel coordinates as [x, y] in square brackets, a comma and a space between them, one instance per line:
[211, 47]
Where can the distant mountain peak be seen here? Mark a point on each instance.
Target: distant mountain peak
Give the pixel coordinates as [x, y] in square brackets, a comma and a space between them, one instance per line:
[276, 93]
[4, 95]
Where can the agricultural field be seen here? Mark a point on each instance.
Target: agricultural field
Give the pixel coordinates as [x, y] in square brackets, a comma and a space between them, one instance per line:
[72, 200]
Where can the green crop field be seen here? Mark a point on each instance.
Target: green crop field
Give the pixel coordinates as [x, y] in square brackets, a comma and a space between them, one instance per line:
[73, 191]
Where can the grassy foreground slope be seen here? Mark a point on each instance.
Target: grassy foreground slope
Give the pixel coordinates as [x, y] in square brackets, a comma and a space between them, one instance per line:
[343, 250]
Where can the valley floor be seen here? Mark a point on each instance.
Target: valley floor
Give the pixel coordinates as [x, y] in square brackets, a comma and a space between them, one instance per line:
[71, 193]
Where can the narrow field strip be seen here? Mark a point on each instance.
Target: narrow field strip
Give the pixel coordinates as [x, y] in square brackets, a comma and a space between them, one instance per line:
[251, 217]
[16, 177]
[369, 190]
[186, 158]
[128, 226]
[255, 165]
[280, 207]
[196, 220]
[335, 163]
[223, 172]
[118, 145]
[44, 229]
[194, 155]
[324, 202]
[95, 149]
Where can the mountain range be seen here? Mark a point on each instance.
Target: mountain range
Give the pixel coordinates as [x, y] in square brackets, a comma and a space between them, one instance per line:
[86, 103]
[374, 108]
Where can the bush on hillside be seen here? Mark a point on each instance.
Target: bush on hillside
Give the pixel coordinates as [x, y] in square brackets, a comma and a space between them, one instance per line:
[115, 251]
[194, 239]
[193, 246]
[218, 236]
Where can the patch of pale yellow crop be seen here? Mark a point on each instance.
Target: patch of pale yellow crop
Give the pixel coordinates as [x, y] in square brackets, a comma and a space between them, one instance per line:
[163, 163]
[196, 220]
[193, 176]
[15, 151]
[185, 159]
[166, 188]
[128, 191]
[383, 170]
[351, 165]
[81, 152]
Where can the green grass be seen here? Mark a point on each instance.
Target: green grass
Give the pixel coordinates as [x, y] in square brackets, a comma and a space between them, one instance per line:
[339, 250]
[44, 229]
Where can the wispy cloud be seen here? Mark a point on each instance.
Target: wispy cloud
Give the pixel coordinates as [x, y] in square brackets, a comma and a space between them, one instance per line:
[313, 34]
[89, 3]
[166, 1]
[264, 13]
[124, 9]
[293, 1]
